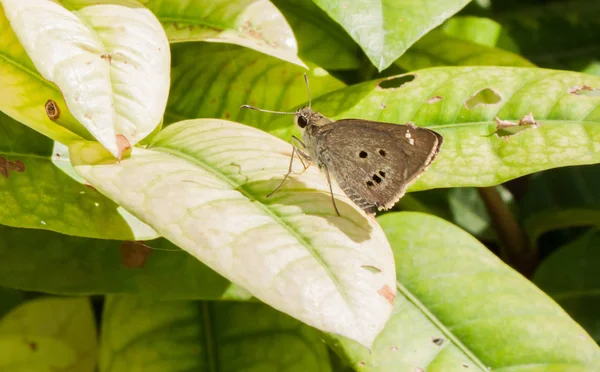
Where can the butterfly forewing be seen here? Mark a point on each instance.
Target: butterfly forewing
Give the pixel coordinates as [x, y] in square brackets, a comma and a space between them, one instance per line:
[374, 162]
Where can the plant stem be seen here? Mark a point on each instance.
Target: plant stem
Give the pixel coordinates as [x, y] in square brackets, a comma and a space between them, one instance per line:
[513, 239]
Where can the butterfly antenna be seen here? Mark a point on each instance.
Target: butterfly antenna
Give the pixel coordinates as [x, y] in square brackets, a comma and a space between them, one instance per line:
[264, 110]
[308, 89]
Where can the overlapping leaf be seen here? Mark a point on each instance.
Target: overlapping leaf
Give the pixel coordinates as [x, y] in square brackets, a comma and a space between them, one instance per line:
[460, 308]
[49, 334]
[386, 28]
[211, 80]
[224, 336]
[202, 185]
[111, 63]
[255, 24]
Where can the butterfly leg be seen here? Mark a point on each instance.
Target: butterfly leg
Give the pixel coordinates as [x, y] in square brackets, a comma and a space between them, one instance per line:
[301, 154]
[331, 191]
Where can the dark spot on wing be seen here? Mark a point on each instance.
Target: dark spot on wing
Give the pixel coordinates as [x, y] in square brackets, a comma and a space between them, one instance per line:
[376, 178]
[363, 154]
[382, 152]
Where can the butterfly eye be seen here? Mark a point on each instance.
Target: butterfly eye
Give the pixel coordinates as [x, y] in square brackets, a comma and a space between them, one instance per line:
[302, 122]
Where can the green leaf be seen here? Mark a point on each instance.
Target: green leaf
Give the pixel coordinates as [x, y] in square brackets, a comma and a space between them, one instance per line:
[205, 336]
[557, 34]
[49, 334]
[255, 24]
[478, 30]
[44, 261]
[9, 298]
[561, 198]
[385, 29]
[110, 61]
[23, 91]
[202, 184]
[320, 39]
[471, 154]
[225, 77]
[460, 308]
[438, 49]
[570, 277]
[41, 196]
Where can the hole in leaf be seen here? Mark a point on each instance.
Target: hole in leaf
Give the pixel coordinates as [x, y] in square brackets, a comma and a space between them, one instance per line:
[485, 96]
[396, 82]
[362, 154]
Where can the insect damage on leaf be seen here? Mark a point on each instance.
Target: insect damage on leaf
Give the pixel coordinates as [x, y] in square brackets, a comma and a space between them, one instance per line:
[372, 269]
[6, 166]
[437, 340]
[507, 128]
[395, 82]
[52, 110]
[486, 96]
[134, 254]
[584, 90]
[434, 99]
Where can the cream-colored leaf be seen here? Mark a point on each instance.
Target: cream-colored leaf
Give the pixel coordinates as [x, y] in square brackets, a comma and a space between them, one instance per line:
[203, 183]
[111, 63]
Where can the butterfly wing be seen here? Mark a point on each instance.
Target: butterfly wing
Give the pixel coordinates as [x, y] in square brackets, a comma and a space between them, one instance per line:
[374, 162]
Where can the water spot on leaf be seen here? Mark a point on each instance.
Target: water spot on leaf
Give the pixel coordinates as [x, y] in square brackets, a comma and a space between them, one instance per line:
[485, 96]
[134, 254]
[434, 99]
[395, 82]
[52, 110]
[387, 292]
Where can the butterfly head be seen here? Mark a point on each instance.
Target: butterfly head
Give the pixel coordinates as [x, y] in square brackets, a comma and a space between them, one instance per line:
[306, 117]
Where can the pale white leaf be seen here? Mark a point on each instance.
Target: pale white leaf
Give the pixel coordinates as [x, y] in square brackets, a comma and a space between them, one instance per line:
[203, 183]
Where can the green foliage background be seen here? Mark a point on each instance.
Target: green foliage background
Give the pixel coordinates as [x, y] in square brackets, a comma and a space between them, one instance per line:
[75, 296]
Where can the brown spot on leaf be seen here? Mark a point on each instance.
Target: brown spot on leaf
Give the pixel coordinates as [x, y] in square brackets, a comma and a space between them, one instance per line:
[52, 110]
[227, 115]
[387, 292]
[6, 166]
[394, 348]
[508, 128]
[434, 99]
[382, 106]
[361, 364]
[437, 340]
[213, 101]
[486, 96]
[32, 345]
[17, 166]
[465, 365]
[107, 57]
[395, 82]
[123, 145]
[134, 254]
